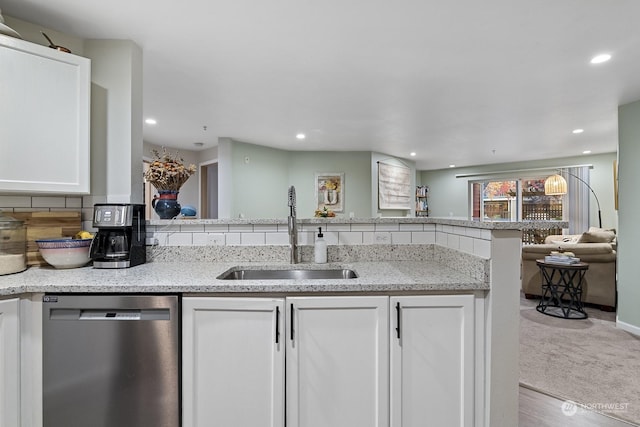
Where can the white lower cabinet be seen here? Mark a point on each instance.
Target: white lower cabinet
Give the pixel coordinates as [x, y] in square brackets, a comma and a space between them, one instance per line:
[337, 361]
[432, 361]
[233, 362]
[345, 364]
[9, 363]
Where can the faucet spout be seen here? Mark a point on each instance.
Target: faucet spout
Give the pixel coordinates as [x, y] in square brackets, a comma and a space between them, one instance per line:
[292, 226]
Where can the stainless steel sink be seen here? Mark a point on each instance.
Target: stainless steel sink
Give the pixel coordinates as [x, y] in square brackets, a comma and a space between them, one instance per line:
[299, 274]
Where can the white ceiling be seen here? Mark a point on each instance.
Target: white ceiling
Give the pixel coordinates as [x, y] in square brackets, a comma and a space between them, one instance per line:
[461, 82]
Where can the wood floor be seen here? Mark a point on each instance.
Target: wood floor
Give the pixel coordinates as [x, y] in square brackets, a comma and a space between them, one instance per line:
[541, 410]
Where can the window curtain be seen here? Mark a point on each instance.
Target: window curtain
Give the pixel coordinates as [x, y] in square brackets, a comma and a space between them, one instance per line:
[577, 199]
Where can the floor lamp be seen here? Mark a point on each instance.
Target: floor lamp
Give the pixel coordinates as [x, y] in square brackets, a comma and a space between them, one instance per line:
[556, 185]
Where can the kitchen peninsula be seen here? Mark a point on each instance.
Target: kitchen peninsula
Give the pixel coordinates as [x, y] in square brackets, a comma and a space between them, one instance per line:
[465, 273]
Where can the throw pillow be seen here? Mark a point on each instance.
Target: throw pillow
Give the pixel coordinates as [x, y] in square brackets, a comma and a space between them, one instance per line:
[603, 236]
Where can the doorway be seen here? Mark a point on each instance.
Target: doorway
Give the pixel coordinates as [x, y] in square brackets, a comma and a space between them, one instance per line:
[209, 190]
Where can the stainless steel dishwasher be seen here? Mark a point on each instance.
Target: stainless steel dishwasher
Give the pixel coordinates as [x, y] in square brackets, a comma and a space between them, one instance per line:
[111, 360]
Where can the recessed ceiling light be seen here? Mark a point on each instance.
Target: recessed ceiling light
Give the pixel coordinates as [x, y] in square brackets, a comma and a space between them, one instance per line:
[586, 152]
[577, 131]
[198, 144]
[412, 154]
[452, 166]
[599, 59]
[301, 136]
[151, 121]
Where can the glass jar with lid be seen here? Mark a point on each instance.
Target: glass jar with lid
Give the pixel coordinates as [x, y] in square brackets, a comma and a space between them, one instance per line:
[13, 245]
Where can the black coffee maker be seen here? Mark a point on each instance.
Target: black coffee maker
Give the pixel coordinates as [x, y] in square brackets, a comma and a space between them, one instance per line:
[120, 240]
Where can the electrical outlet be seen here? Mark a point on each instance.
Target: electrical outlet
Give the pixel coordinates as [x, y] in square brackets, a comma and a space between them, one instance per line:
[383, 238]
[215, 239]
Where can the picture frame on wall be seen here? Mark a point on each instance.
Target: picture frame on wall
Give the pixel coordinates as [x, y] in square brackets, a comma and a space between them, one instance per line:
[329, 191]
[394, 186]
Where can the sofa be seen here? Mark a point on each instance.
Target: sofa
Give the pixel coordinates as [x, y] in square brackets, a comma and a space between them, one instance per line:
[596, 246]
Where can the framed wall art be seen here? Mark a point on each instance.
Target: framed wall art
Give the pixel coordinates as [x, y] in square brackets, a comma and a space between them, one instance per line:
[330, 191]
[394, 186]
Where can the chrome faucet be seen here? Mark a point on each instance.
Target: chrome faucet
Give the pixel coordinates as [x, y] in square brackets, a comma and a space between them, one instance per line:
[293, 229]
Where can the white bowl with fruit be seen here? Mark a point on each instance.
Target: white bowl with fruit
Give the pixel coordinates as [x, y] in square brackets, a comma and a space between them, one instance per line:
[66, 252]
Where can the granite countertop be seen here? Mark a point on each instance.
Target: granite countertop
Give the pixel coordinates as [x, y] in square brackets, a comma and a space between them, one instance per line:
[201, 277]
[486, 225]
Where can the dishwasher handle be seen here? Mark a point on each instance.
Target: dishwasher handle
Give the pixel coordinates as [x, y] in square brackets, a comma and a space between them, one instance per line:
[110, 314]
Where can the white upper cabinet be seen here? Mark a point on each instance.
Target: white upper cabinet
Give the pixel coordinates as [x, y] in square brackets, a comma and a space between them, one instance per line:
[44, 119]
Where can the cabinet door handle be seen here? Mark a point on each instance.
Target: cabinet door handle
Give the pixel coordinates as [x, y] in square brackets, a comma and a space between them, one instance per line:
[292, 322]
[277, 324]
[398, 320]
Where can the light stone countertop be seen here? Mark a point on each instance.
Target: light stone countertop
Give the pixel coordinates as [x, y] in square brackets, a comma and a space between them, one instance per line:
[486, 225]
[201, 277]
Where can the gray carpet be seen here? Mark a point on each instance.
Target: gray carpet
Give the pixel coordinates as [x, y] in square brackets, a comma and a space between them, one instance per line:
[589, 361]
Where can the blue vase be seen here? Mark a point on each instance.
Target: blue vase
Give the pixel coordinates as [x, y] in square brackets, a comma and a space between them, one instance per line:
[166, 204]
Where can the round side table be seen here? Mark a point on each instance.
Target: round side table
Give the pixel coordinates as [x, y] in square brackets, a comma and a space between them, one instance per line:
[562, 289]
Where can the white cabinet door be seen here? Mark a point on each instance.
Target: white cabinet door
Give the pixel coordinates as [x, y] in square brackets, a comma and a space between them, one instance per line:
[337, 361]
[44, 119]
[432, 361]
[233, 362]
[9, 364]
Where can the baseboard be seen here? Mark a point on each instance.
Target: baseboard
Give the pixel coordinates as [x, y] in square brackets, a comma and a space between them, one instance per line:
[635, 330]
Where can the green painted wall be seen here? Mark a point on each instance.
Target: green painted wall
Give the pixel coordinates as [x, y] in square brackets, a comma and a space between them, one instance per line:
[356, 168]
[449, 195]
[629, 206]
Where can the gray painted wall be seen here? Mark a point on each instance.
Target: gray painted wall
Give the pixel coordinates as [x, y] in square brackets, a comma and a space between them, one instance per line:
[448, 195]
[629, 206]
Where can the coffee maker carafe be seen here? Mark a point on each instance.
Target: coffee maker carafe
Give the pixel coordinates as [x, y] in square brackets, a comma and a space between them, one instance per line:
[120, 239]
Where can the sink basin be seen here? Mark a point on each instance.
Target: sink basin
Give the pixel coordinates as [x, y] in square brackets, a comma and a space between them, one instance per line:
[299, 274]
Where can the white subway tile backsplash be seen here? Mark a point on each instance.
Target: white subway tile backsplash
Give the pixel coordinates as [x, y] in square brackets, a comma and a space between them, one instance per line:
[362, 227]
[447, 229]
[192, 228]
[350, 238]
[482, 248]
[400, 237]
[252, 238]
[387, 227]
[179, 239]
[411, 227]
[15, 202]
[265, 227]
[276, 238]
[368, 238]
[331, 237]
[423, 237]
[216, 228]
[441, 238]
[200, 239]
[335, 227]
[466, 244]
[304, 237]
[453, 241]
[429, 227]
[47, 202]
[486, 234]
[460, 231]
[232, 239]
[473, 232]
[241, 228]
[73, 202]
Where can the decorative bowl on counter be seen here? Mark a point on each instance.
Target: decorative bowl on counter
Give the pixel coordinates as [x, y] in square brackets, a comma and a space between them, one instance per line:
[65, 252]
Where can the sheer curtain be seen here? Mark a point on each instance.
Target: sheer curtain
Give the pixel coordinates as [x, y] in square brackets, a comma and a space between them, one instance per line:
[577, 199]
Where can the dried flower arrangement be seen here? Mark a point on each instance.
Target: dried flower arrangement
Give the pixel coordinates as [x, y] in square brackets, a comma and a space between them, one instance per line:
[167, 172]
[324, 213]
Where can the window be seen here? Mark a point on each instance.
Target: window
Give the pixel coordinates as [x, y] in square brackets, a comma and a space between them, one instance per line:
[514, 200]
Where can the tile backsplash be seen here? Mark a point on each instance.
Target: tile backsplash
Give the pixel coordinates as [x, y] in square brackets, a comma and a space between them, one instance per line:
[25, 203]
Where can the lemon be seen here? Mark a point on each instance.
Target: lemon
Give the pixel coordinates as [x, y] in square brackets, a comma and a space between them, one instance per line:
[83, 235]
